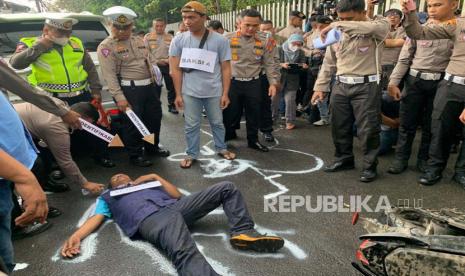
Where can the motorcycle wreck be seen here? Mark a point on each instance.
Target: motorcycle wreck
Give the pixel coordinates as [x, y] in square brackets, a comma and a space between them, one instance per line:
[412, 241]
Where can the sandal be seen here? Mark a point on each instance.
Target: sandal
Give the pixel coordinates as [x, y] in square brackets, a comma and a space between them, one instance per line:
[226, 154]
[187, 162]
[290, 126]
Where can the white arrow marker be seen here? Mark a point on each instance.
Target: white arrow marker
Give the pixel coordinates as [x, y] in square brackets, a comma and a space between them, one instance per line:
[114, 141]
[148, 137]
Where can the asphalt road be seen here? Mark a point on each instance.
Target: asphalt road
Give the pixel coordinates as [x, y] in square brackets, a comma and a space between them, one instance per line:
[316, 243]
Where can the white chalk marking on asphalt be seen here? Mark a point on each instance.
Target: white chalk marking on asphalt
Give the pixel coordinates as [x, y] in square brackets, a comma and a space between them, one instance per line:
[20, 266]
[273, 176]
[295, 250]
[217, 266]
[158, 259]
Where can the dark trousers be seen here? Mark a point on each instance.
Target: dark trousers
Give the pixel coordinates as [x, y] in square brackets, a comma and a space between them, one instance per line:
[266, 119]
[386, 71]
[145, 102]
[168, 230]
[171, 93]
[359, 103]
[84, 97]
[242, 94]
[416, 107]
[6, 206]
[448, 105]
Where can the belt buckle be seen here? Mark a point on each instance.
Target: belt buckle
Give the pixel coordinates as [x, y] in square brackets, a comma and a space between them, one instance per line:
[350, 80]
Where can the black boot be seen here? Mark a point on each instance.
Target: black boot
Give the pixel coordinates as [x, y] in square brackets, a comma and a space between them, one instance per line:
[398, 166]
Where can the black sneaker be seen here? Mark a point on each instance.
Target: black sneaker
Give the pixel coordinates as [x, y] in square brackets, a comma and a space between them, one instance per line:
[30, 230]
[55, 186]
[255, 241]
[172, 109]
[268, 136]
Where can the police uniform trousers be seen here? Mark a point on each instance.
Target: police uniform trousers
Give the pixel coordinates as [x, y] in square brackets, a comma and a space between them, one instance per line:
[248, 95]
[416, 107]
[448, 105]
[171, 93]
[167, 228]
[266, 119]
[145, 102]
[359, 104]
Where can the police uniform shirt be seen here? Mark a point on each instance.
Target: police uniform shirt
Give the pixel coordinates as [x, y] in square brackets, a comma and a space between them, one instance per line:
[249, 55]
[55, 133]
[354, 54]
[290, 30]
[25, 56]
[453, 29]
[158, 45]
[422, 55]
[127, 58]
[390, 55]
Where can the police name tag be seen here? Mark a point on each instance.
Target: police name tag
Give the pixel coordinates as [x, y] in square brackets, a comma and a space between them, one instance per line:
[132, 189]
[198, 59]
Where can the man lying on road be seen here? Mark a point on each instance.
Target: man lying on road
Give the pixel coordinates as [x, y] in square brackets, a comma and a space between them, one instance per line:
[161, 215]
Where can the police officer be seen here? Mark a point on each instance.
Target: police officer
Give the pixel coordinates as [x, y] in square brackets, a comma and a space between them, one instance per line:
[393, 45]
[60, 65]
[355, 96]
[158, 41]
[266, 118]
[450, 96]
[251, 51]
[126, 67]
[296, 19]
[427, 60]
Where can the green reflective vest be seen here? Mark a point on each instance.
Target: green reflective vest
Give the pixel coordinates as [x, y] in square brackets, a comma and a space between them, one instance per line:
[56, 72]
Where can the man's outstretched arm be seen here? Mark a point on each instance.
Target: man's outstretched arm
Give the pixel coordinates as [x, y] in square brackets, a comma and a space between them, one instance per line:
[72, 246]
[169, 188]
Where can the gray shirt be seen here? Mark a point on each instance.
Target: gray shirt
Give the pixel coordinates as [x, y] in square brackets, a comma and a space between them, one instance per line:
[198, 83]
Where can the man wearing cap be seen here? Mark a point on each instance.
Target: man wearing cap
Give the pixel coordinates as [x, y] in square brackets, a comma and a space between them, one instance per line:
[424, 62]
[355, 96]
[126, 65]
[200, 88]
[393, 42]
[296, 19]
[252, 52]
[450, 97]
[158, 41]
[60, 65]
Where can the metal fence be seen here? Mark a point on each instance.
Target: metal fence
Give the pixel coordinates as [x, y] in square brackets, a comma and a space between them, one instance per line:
[279, 12]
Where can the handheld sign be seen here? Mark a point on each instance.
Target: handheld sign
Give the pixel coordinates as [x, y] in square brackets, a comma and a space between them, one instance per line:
[148, 137]
[113, 141]
[131, 189]
[332, 37]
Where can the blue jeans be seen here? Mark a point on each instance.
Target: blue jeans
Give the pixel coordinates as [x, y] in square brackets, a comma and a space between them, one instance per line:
[193, 115]
[323, 107]
[388, 140]
[6, 205]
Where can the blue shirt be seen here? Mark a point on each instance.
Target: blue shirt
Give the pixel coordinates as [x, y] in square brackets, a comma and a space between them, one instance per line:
[102, 208]
[198, 83]
[14, 137]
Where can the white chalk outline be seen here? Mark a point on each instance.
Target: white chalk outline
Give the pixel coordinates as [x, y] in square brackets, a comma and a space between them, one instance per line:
[89, 245]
